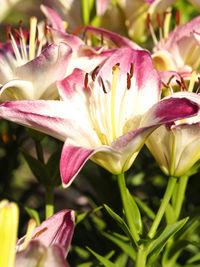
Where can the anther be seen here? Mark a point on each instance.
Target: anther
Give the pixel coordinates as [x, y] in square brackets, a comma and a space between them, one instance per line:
[170, 79]
[131, 70]
[165, 85]
[183, 84]
[103, 86]
[177, 17]
[198, 88]
[179, 83]
[94, 73]
[17, 33]
[86, 80]
[159, 20]
[8, 31]
[77, 30]
[116, 66]
[40, 232]
[148, 20]
[128, 81]
[20, 24]
[45, 28]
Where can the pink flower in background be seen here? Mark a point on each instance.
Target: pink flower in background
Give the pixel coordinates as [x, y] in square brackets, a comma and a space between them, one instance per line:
[47, 244]
[177, 148]
[30, 72]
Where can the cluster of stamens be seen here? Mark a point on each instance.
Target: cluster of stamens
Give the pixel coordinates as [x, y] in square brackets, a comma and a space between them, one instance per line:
[108, 127]
[20, 41]
[194, 83]
[163, 25]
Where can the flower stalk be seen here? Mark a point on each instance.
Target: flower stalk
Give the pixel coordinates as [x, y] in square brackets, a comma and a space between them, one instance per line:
[167, 196]
[49, 201]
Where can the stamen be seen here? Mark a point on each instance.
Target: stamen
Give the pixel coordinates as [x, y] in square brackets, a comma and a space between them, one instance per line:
[86, 80]
[180, 84]
[167, 19]
[151, 30]
[131, 70]
[40, 232]
[183, 84]
[94, 73]
[159, 25]
[198, 88]
[23, 43]
[8, 31]
[115, 71]
[13, 43]
[103, 86]
[128, 81]
[33, 26]
[29, 233]
[148, 20]
[177, 17]
[192, 81]
[77, 30]
[170, 79]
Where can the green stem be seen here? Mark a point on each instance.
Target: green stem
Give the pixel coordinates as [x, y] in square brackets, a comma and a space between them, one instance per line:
[49, 206]
[125, 201]
[180, 195]
[39, 151]
[167, 196]
[141, 257]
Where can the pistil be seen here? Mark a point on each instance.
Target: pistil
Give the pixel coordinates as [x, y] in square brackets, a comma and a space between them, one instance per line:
[29, 233]
[33, 27]
[116, 70]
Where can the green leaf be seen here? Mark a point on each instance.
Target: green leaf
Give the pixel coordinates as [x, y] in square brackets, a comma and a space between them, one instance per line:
[120, 222]
[122, 260]
[169, 214]
[103, 260]
[194, 258]
[37, 167]
[125, 247]
[172, 253]
[87, 6]
[157, 244]
[145, 208]
[80, 217]
[33, 214]
[136, 216]
[86, 264]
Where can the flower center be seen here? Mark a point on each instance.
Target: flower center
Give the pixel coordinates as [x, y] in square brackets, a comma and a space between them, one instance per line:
[19, 42]
[108, 107]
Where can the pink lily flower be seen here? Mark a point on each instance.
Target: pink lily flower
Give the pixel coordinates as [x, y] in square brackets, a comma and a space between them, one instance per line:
[47, 244]
[84, 55]
[179, 51]
[37, 254]
[136, 15]
[177, 148]
[58, 229]
[101, 6]
[105, 115]
[31, 74]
